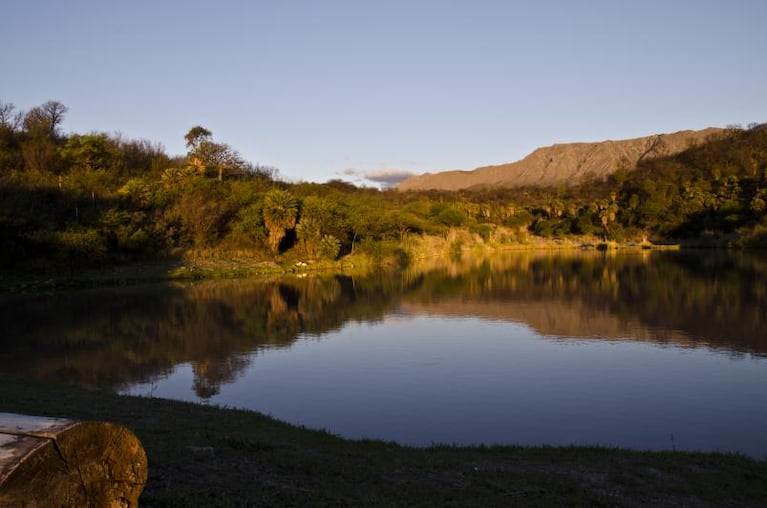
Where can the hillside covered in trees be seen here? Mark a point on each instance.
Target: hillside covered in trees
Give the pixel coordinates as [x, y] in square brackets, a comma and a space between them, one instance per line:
[75, 200]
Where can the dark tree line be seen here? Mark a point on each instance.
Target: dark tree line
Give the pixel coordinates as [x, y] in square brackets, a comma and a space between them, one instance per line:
[69, 200]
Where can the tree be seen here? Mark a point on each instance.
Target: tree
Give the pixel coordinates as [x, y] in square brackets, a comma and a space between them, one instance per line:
[206, 156]
[202, 211]
[758, 204]
[10, 147]
[608, 212]
[280, 213]
[248, 229]
[89, 152]
[137, 157]
[40, 147]
[447, 215]
[330, 246]
[196, 136]
[45, 119]
[9, 119]
[320, 220]
[309, 235]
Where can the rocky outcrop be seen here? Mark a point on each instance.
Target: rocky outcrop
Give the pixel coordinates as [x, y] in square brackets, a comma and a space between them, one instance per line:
[569, 163]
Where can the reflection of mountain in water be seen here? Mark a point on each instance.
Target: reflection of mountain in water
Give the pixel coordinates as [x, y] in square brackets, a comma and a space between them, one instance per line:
[713, 299]
[134, 335]
[557, 318]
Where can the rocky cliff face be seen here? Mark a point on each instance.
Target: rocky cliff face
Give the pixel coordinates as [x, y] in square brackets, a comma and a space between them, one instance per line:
[570, 163]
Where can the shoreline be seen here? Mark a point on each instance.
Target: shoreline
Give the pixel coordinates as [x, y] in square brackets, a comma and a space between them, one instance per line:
[195, 266]
[216, 456]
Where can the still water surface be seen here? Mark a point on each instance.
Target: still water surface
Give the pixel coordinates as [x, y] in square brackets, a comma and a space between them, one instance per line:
[648, 351]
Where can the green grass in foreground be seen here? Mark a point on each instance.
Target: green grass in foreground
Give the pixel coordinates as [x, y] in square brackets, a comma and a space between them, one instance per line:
[206, 456]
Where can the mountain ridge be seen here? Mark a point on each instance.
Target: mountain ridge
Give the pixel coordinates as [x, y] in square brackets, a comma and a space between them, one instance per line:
[562, 163]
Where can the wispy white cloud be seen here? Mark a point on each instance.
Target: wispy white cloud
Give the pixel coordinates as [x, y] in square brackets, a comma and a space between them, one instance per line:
[388, 177]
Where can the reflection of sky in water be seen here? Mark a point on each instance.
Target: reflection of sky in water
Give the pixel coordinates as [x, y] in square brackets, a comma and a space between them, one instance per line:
[420, 380]
[528, 348]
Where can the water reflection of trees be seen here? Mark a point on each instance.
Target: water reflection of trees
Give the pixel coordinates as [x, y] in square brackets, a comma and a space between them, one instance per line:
[135, 335]
[210, 374]
[713, 298]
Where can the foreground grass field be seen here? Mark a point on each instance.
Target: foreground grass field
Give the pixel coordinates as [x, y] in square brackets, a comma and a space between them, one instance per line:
[207, 456]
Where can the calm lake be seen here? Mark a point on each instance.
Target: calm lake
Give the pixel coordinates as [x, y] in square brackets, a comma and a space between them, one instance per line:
[647, 350]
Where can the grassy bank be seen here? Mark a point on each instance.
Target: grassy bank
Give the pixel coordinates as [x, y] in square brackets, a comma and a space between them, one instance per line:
[169, 270]
[205, 456]
[212, 264]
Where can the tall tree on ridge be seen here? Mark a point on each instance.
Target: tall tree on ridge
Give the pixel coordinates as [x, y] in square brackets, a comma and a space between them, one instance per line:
[42, 136]
[207, 156]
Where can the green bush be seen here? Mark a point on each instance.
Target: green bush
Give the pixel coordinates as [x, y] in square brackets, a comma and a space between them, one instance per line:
[329, 248]
[485, 231]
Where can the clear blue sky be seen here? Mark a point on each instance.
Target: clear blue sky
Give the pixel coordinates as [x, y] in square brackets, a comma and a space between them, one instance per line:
[340, 89]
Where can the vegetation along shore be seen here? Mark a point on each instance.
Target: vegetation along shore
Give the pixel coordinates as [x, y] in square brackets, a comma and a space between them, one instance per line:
[70, 202]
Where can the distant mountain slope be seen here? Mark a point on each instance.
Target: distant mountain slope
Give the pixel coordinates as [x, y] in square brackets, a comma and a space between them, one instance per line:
[562, 163]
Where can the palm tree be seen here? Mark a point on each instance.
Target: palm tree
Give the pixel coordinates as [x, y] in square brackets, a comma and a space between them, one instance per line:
[280, 213]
